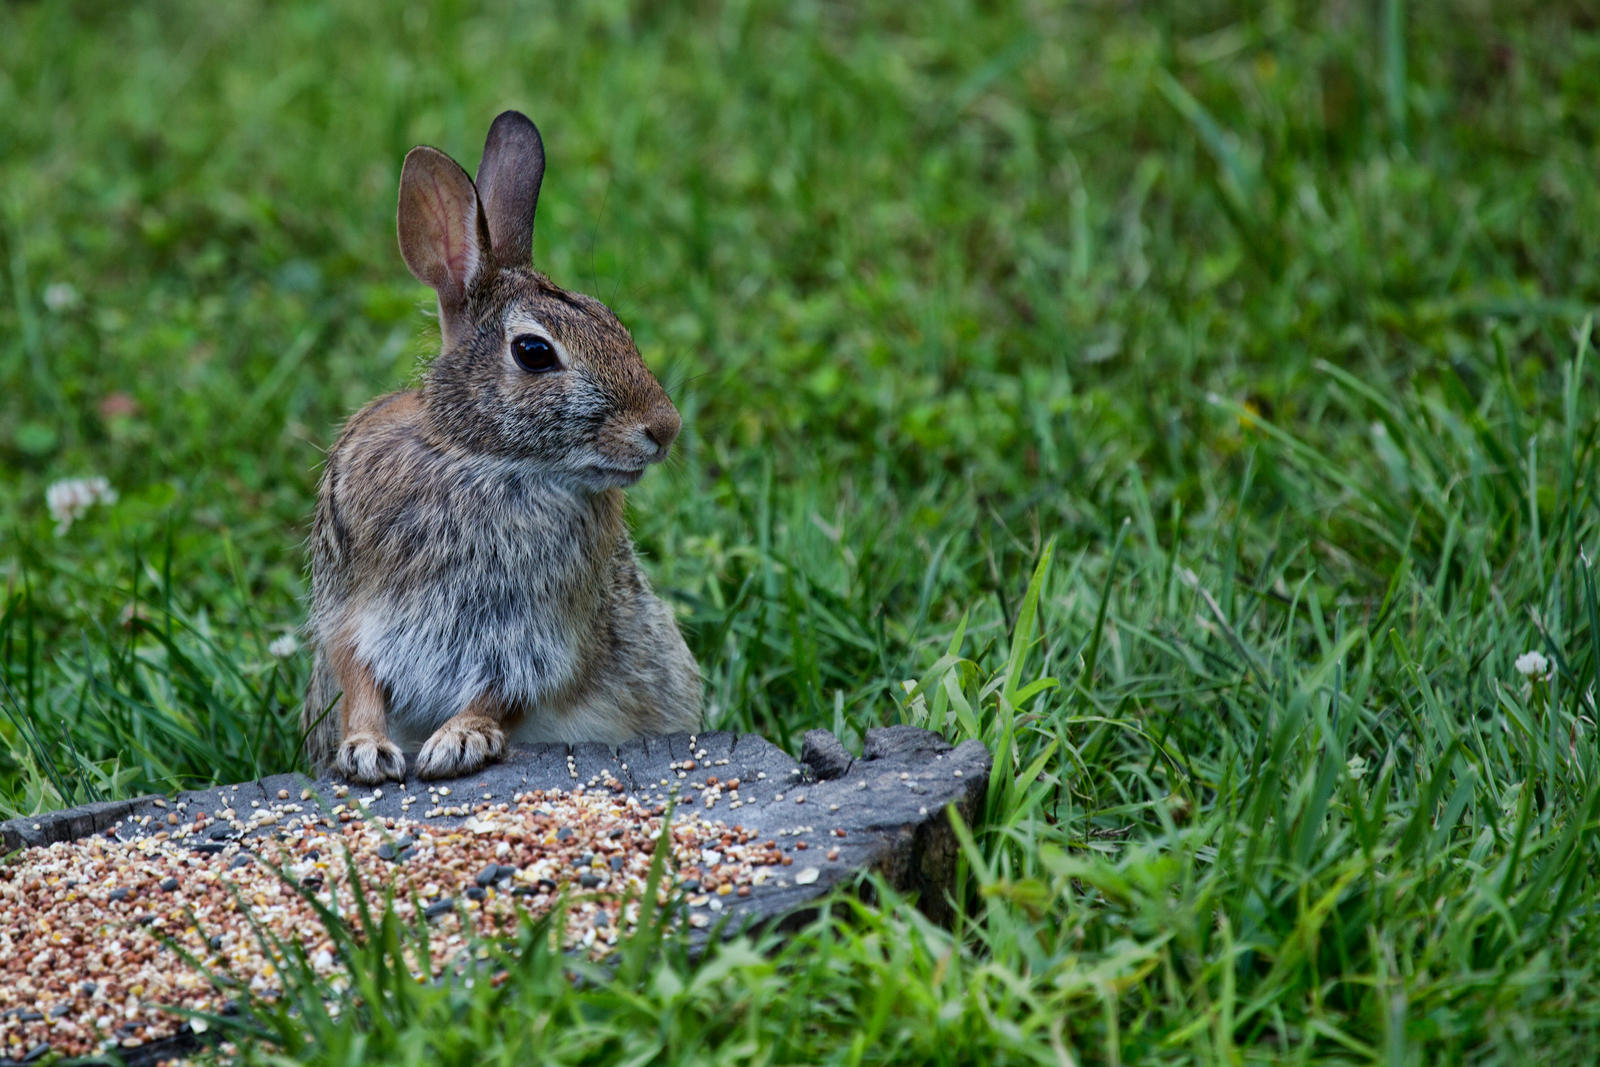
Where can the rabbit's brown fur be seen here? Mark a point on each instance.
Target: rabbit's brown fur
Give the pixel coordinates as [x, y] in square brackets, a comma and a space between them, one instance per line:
[472, 576]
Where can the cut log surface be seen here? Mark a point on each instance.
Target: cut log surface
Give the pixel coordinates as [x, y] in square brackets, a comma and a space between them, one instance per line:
[829, 817]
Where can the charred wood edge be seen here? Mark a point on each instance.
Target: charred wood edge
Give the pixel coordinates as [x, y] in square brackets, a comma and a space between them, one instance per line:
[53, 827]
[917, 858]
[915, 854]
[824, 756]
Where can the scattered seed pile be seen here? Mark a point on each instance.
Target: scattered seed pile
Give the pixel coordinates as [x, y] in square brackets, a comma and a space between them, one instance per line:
[87, 928]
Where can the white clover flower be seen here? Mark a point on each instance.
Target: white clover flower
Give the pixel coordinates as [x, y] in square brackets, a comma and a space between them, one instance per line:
[60, 296]
[70, 498]
[1356, 767]
[284, 647]
[1533, 666]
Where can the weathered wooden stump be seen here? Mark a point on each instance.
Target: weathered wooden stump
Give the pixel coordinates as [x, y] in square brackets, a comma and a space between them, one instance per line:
[828, 817]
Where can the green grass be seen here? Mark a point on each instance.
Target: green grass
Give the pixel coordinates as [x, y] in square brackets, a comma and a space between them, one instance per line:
[1269, 330]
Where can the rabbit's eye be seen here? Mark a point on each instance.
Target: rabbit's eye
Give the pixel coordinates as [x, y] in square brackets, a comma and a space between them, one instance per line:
[534, 354]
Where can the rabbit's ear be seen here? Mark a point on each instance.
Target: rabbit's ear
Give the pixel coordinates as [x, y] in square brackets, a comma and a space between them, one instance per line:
[443, 237]
[508, 183]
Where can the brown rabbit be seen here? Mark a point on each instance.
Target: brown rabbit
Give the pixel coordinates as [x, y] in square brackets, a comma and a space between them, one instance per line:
[472, 576]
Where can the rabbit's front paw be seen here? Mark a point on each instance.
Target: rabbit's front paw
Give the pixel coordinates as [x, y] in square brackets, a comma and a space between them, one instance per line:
[369, 759]
[461, 746]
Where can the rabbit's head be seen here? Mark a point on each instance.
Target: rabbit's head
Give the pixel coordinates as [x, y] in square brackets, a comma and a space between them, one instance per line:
[528, 371]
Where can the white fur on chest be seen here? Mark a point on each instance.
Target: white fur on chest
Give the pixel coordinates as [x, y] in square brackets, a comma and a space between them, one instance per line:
[432, 662]
[505, 611]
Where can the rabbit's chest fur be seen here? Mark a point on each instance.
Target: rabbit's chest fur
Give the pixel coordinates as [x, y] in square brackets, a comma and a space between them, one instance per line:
[482, 577]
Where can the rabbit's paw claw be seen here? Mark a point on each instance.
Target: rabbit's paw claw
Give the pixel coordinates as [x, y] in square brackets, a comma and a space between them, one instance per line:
[369, 759]
[461, 746]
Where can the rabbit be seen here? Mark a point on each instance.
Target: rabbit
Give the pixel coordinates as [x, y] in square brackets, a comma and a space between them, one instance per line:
[473, 580]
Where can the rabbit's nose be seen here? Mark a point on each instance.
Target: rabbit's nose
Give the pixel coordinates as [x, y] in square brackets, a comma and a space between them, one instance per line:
[661, 428]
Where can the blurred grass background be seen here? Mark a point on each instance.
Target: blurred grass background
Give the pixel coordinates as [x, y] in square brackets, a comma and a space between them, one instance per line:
[1273, 319]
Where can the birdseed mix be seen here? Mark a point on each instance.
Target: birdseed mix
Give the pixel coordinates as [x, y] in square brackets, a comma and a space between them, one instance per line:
[88, 928]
